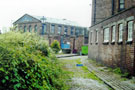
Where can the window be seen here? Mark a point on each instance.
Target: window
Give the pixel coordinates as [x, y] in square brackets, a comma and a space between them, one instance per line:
[77, 32]
[120, 32]
[113, 33]
[43, 29]
[65, 30]
[25, 28]
[20, 28]
[30, 28]
[52, 29]
[91, 39]
[35, 28]
[72, 31]
[59, 29]
[106, 35]
[96, 39]
[130, 30]
[121, 4]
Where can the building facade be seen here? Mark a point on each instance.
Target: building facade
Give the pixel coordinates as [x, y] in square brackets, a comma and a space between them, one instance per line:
[112, 34]
[68, 33]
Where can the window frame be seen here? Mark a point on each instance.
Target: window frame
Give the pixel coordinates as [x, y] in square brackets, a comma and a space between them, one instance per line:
[106, 38]
[131, 34]
[59, 29]
[35, 28]
[91, 37]
[72, 31]
[52, 29]
[65, 30]
[113, 33]
[121, 3]
[120, 32]
[25, 28]
[30, 28]
[96, 38]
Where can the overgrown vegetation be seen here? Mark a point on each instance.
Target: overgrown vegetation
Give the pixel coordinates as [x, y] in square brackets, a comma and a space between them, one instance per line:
[27, 63]
[55, 46]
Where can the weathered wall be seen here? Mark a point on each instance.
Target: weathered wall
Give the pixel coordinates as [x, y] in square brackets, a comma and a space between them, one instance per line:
[102, 9]
[114, 54]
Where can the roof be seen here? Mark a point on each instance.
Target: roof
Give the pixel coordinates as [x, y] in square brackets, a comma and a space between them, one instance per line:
[57, 21]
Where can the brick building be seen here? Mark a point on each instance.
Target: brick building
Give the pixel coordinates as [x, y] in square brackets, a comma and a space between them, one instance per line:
[68, 33]
[112, 34]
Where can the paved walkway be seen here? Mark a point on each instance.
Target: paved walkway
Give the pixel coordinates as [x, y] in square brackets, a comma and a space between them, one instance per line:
[113, 80]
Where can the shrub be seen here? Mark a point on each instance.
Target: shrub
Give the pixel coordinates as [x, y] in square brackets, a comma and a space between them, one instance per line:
[55, 46]
[27, 63]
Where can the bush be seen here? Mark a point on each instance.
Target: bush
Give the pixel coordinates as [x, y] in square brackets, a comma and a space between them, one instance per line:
[55, 46]
[27, 63]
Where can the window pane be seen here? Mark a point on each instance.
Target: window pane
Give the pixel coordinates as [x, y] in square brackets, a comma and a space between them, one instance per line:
[25, 28]
[35, 28]
[96, 36]
[121, 1]
[30, 29]
[72, 30]
[91, 37]
[106, 35]
[53, 29]
[113, 33]
[130, 30]
[65, 30]
[120, 32]
[59, 29]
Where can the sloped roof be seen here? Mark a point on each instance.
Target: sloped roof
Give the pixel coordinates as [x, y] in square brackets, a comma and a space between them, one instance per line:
[57, 21]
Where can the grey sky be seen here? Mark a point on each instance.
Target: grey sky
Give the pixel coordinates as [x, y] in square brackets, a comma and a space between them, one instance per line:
[74, 10]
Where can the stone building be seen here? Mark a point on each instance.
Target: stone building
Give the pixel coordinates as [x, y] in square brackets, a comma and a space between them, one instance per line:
[112, 34]
[68, 33]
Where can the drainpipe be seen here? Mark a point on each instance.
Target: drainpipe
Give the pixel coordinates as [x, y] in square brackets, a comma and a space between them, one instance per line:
[95, 12]
[112, 7]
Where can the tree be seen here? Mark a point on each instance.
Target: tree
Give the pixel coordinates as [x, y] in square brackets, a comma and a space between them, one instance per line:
[55, 46]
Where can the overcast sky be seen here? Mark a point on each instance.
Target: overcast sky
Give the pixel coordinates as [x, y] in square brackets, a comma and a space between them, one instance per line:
[74, 10]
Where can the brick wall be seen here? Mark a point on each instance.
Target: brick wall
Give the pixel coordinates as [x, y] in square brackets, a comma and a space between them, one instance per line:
[114, 54]
[102, 9]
